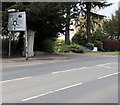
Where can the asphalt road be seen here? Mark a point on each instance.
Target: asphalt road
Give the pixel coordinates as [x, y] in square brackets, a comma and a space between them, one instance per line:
[80, 79]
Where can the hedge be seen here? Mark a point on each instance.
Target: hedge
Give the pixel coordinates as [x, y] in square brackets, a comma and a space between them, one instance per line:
[111, 45]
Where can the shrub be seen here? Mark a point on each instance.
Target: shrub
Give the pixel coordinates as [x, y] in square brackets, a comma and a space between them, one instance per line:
[111, 45]
[15, 49]
[48, 45]
[78, 39]
[90, 46]
[73, 48]
[62, 48]
[77, 48]
[59, 42]
[99, 45]
[5, 47]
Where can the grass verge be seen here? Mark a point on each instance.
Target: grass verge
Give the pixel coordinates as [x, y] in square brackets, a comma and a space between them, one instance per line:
[111, 53]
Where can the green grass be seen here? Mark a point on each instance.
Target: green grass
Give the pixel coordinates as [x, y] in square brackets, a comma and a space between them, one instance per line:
[112, 53]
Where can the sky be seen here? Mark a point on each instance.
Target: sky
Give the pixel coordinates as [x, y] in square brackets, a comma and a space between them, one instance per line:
[109, 10]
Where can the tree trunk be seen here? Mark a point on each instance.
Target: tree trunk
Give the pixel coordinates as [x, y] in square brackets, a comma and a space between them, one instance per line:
[88, 27]
[67, 37]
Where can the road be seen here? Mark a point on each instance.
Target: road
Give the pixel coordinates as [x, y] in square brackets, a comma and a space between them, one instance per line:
[80, 79]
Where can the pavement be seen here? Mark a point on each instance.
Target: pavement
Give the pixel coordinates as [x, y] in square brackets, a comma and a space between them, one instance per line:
[45, 57]
[75, 78]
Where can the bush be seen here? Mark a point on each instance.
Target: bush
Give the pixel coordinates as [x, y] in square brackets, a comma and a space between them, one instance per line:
[99, 45]
[90, 46]
[73, 48]
[111, 45]
[77, 48]
[59, 42]
[5, 46]
[15, 50]
[48, 45]
[78, 39]
[62, 48]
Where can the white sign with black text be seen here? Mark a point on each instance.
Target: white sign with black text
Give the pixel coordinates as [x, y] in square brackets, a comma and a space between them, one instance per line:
[17, 21]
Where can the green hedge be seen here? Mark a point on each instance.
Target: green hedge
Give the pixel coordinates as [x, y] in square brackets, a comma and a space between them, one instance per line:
[99, 45]
[77, 48]
[48, 45]
[62, 48]
[90, 46]
[70, 48]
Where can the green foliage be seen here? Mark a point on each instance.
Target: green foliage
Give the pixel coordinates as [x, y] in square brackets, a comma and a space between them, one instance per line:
[45, 18]
[5, 43]
[77, 48]
[90, 46]
[70, 48]
[14, 47]
[80, 38]
[48, 18]
[111, 27]
[60, 42]
[71, 11]
[111, 53]
[48, 46]
[99, 45]
[62, 48]
[89, 16]
[98, 35]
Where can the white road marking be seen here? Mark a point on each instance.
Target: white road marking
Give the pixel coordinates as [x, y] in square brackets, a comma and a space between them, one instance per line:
[105, 65]
[68, 70]
[51, 92]
[108, 75]
[100, 65]
[15, 79]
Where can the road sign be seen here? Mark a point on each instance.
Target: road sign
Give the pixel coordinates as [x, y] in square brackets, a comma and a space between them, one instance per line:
[17, 21]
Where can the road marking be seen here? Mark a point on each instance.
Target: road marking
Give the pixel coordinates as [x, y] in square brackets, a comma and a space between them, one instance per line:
[104, 65]
[100, 65]
[108, 75]
[68, 70]
[51, 92]
[15, 79]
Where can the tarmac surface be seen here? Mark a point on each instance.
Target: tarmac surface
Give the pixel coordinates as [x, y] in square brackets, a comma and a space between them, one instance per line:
[61, 78]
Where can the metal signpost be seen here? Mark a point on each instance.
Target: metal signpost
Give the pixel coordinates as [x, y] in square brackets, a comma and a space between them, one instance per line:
[17, 22]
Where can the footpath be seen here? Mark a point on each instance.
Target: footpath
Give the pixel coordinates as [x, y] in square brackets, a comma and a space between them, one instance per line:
[35, 58]
[43, 59]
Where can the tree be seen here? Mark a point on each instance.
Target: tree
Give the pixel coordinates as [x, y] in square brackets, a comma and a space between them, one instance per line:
[89, 15]
[44, 17]
[70, 11]
[111, 27]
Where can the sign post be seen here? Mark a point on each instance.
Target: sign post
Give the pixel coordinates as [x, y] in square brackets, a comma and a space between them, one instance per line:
[26, 45]
[9, 44]
[17, 22]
